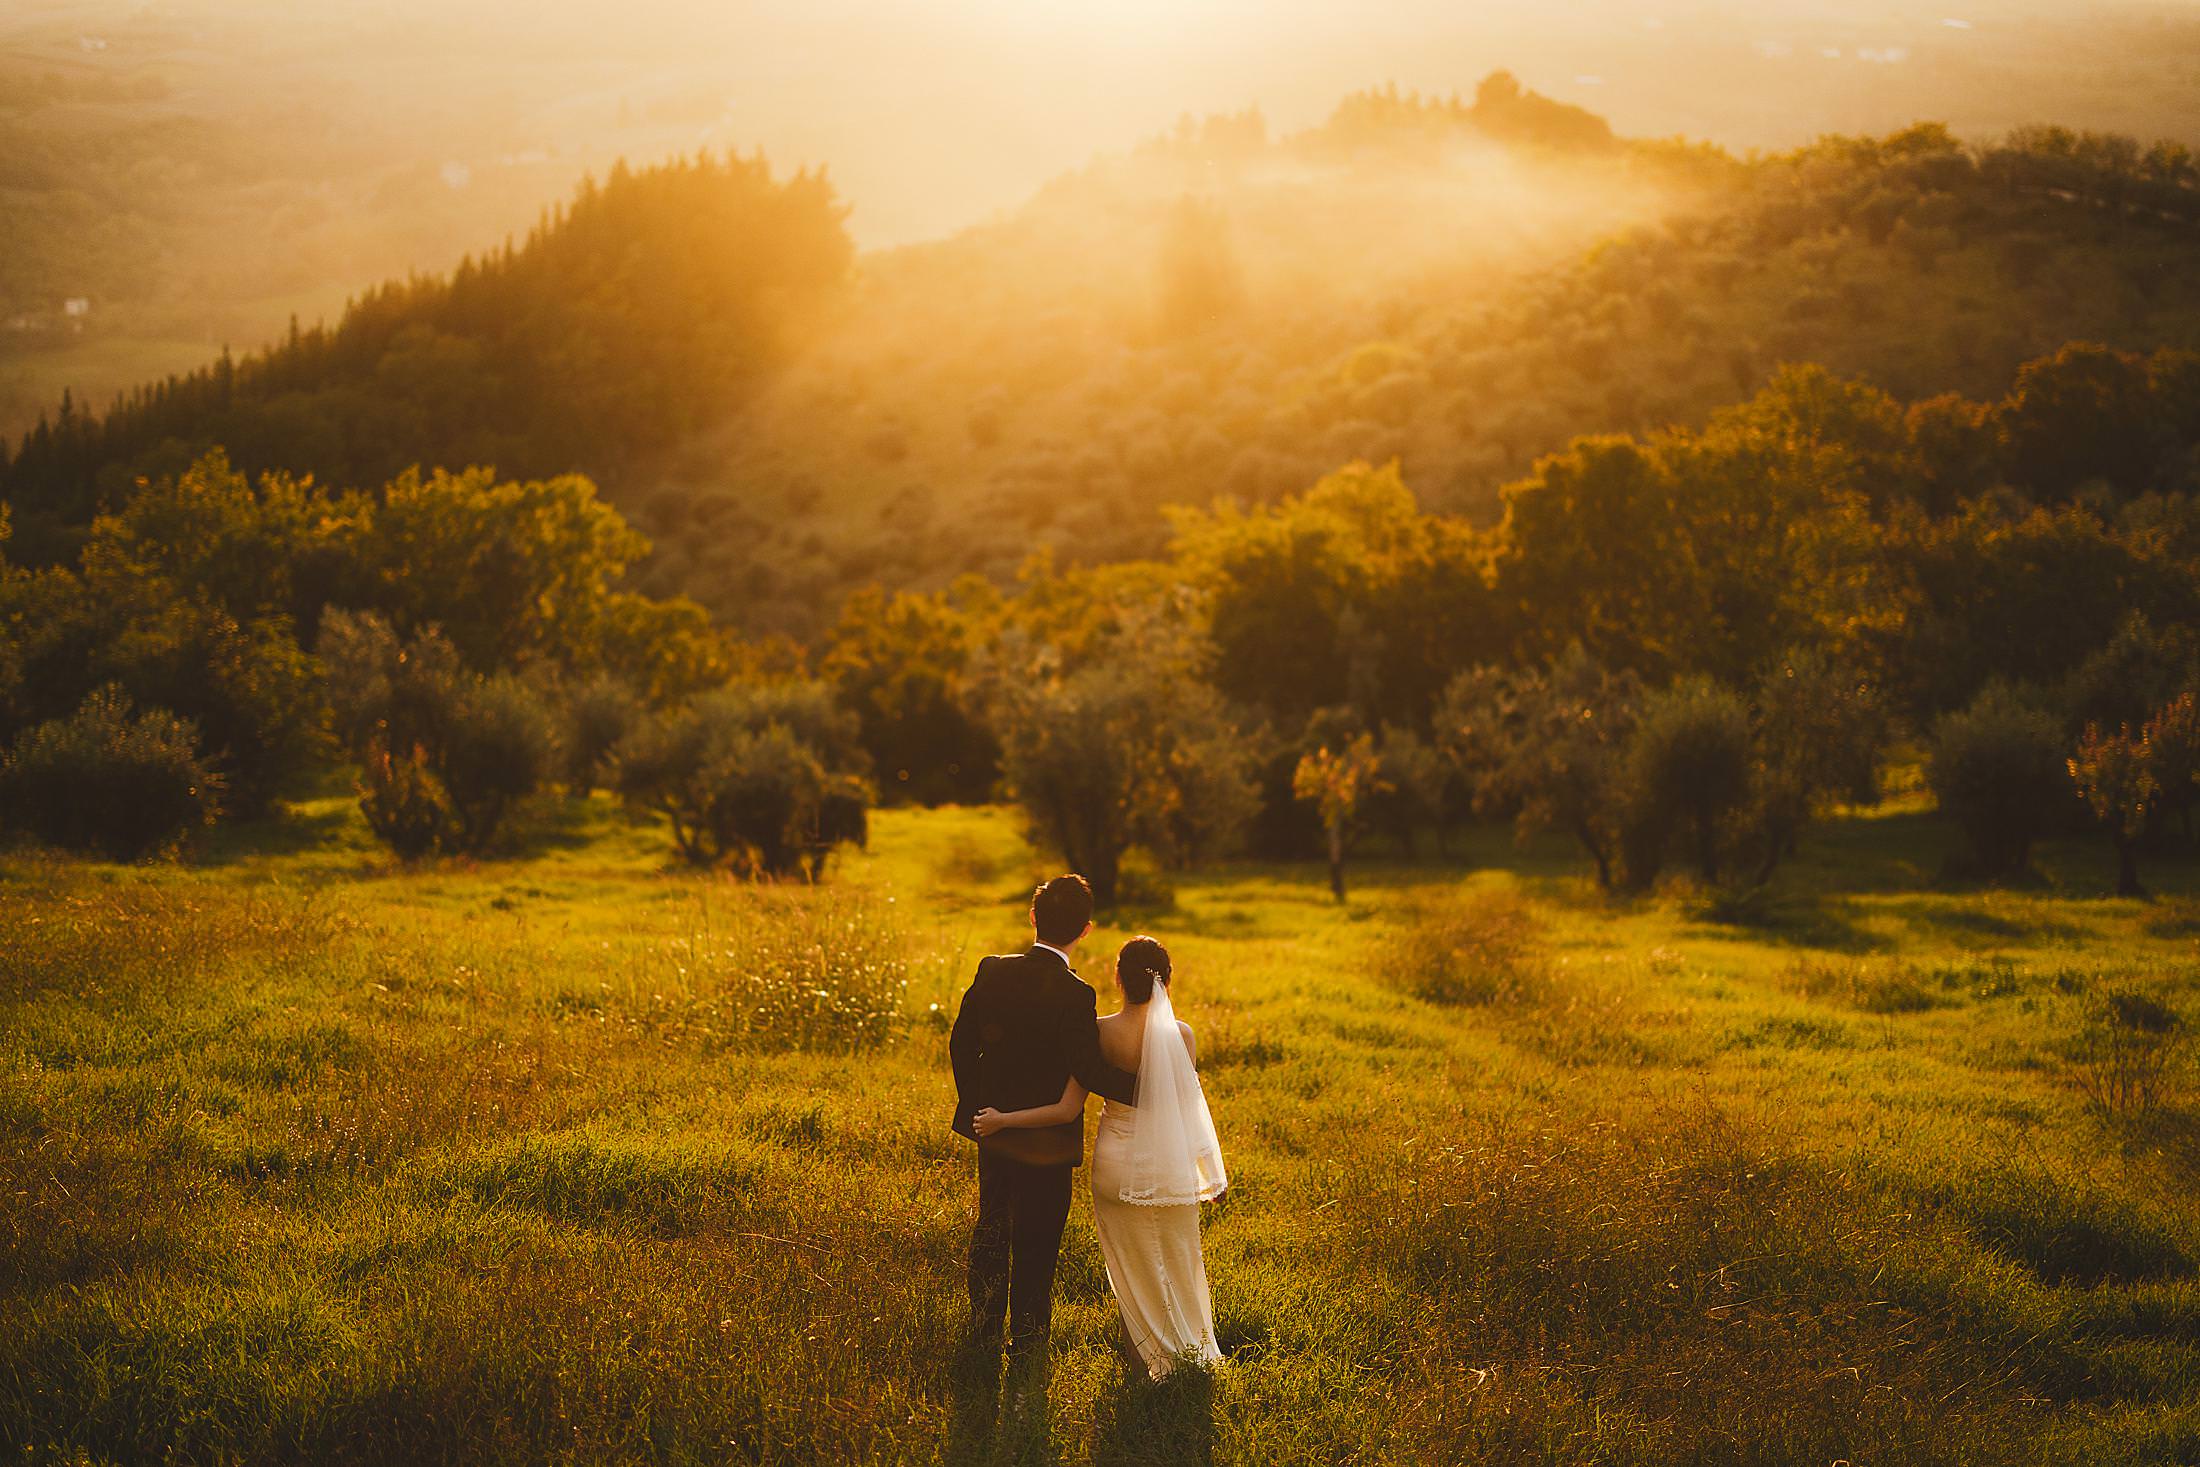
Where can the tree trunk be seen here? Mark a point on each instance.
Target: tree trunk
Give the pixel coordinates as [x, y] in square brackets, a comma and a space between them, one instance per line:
[1779, 841]
[1336, 860]
[1598, 853]
[2127, 869]
[1102, 871]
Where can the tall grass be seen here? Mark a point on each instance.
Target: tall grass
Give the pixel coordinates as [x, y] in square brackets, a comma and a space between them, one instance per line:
[1474, 948]
[811, 970]
[2131, 1052]
[575, 1160]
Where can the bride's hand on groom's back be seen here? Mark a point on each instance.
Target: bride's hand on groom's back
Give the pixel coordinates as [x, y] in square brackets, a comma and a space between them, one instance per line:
[987, 1121]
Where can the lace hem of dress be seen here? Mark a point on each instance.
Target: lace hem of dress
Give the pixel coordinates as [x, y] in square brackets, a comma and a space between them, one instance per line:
[1148, 1200]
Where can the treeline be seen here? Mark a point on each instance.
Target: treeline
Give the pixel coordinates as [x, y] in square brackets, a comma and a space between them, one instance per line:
[1387, 121]
[1398, 124]
[643, 310]
[983, 402]
[461, 642]
[1211, 316]
[1678, 647]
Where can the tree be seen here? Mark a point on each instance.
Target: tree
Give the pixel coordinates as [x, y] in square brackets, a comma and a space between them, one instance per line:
[1550, 748]
[1590, 555]
[1335, 783]
[2114, 774]
[1345, 595]
[649, 304]
[901, 664]
[510, 573]
[759, 778]
[1997, 768]
[1689, 759]
[2086, 412]
[1411, 789]
[1129, 750]
[2139, 671]
[598, 714]
[189, 599]
[1816, 733]
[2173, 734]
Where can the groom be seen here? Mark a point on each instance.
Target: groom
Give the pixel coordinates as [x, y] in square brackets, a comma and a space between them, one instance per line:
[1026, 1025]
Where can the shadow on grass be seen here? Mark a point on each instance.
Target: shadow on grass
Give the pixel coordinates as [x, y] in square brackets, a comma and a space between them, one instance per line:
[998, 1410]
[325, 826]
[974, 1405]
[1970, 927]
[1165, 1423]
[2170, 1132]
[1786, 918]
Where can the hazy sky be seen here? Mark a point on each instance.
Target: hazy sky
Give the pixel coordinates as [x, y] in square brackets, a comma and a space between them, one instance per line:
[934, 112]
[987, 98]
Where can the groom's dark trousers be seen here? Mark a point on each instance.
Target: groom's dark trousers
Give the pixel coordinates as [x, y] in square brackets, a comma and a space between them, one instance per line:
[1025, 1026]
[1021, 1210]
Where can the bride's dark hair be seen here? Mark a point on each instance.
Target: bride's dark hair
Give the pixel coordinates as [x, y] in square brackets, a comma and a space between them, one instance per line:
[1142, 963]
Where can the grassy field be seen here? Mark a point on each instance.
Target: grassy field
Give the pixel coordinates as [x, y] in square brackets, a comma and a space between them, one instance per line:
[569, 1157]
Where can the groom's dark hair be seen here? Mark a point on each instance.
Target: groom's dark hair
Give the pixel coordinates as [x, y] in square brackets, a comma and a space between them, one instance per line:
[1061, 909]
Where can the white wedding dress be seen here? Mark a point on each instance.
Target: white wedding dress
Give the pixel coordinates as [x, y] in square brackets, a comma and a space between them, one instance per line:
[1152, 1165]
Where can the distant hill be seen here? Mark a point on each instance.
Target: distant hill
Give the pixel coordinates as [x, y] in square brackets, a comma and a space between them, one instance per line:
[1399, 283]
[1463, 285]
[628, 319]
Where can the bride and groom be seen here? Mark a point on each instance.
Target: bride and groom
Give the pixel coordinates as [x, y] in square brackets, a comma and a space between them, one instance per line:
[1027, 1047]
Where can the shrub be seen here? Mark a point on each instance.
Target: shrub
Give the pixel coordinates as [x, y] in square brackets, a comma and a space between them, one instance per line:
[2129, 1050]
[406, 806]
[382, 690]
[249, 690]
[740, 786]
[598, 714]
[105, 782]
[500, 747]
[445, 754]
[808, 710]
[1997, 769]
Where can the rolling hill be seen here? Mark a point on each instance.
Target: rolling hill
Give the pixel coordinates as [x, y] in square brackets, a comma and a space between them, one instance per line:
[1460, 285]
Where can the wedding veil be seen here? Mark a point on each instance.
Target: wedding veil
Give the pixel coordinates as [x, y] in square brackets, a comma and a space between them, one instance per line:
[1174, 1156]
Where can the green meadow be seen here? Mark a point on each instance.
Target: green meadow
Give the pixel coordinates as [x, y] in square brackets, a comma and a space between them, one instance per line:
[309, 1156]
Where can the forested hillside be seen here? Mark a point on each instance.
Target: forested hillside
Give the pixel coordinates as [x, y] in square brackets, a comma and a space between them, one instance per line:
[1460, 313]
[1460, 286]
[650, 305]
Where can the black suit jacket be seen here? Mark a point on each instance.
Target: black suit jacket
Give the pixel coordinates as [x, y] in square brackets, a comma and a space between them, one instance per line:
[1025, 1026]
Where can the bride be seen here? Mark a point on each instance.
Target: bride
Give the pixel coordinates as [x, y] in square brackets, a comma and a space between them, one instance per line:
[1152, 1165]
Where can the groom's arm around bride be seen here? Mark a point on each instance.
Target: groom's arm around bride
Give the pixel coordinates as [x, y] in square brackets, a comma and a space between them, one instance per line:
[1026, 1026]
